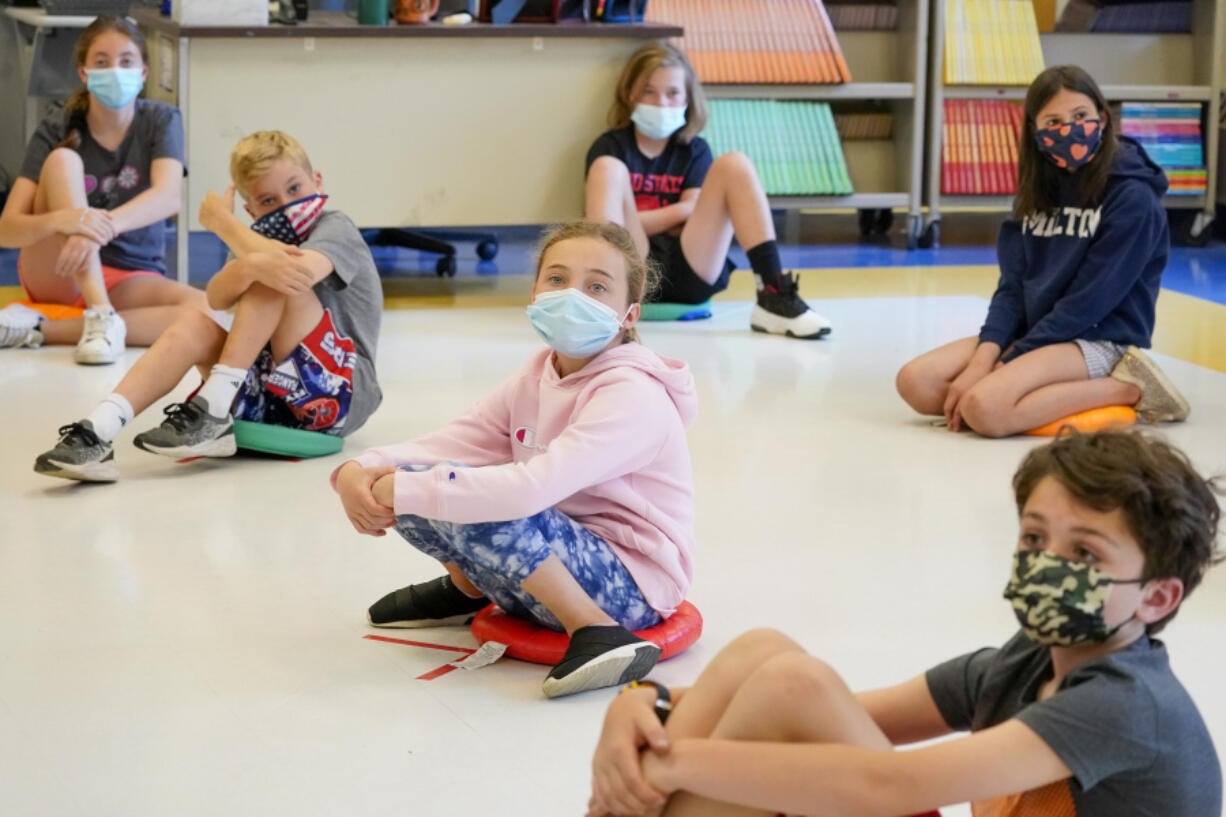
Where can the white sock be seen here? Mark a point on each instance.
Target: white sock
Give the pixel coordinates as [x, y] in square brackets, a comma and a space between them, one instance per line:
[221, 387]
[111, 416]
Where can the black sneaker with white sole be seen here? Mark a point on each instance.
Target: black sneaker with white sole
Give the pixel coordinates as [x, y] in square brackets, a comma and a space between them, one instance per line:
[781, 311]
[598, 657]
[189, 430]
[437, 603]
[79, 455]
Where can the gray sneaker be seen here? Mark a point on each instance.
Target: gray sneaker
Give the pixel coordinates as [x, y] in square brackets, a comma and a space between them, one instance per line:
[189, 430]
[79, 455]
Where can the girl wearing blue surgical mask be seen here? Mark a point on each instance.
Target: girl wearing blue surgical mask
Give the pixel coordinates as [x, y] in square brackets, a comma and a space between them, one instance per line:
[1080, 265]
[89, 206]
[565, 496]
[654, 175]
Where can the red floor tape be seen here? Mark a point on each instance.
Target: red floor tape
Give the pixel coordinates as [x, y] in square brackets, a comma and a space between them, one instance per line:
[434, 673]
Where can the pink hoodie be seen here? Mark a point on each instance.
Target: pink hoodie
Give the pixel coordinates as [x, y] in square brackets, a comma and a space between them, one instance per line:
[606, 446]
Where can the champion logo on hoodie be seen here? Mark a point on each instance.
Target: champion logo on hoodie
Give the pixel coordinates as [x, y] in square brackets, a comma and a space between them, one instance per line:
[1076, 222]
[527, 438]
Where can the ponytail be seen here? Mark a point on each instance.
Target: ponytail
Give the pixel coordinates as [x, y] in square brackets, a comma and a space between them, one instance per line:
[75, 110]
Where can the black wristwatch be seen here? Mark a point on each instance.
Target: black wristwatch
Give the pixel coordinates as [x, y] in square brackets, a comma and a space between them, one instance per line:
[664, 701]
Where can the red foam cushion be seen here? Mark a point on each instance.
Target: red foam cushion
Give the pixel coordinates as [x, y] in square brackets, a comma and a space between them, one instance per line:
[528, 642]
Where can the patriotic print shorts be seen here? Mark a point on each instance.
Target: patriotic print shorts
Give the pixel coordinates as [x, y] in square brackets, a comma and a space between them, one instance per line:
[309, 390]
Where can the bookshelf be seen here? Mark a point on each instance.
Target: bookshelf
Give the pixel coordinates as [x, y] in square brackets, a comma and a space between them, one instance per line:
[1134, 67]
[889, 74]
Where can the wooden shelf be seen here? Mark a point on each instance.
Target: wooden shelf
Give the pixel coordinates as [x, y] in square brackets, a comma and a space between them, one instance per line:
[849, 90]
[1140, 93]
[338, 24]
[856, 201]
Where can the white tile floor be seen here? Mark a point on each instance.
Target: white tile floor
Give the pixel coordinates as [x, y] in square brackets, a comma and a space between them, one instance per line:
[188, 641]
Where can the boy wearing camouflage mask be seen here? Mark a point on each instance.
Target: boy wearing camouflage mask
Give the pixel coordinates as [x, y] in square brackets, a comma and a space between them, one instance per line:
[1077, 714]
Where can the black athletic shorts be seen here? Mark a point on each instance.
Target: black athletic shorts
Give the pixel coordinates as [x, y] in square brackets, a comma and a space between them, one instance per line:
[679, 283]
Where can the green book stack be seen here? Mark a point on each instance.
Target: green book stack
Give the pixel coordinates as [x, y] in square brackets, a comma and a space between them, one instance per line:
[794, 145]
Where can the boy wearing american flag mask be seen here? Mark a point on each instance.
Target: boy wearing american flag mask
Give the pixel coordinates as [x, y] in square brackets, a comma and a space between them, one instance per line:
[306, 303]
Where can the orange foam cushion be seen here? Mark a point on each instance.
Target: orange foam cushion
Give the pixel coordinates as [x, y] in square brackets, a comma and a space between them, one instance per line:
[53, 312]
[528, 642]
[1090, 421]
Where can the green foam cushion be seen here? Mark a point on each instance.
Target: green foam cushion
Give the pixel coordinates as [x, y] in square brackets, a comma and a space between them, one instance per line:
[288, 442]
[665, 311]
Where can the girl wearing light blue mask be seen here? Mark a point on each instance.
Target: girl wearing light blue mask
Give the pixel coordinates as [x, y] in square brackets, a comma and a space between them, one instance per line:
[573, 507]
[655, 176]
[89, 205]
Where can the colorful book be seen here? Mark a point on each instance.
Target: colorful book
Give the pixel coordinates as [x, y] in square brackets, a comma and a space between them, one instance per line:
[794, 145]
[991, 42]
[979, 147]
[769, 42]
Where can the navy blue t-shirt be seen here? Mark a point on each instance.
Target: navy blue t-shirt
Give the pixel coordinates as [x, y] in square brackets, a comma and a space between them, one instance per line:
[114, 177]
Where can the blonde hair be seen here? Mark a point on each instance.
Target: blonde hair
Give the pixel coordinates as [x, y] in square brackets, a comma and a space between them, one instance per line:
[634, 76]
[77, 105]
[641, 276]
[255, 154]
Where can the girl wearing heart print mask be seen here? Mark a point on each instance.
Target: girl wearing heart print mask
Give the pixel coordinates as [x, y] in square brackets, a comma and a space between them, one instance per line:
[654, 175]
[88, 207]
[1080, 265]
[576, 506]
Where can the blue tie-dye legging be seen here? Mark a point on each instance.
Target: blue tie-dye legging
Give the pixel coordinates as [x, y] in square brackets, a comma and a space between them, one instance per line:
[498, 556]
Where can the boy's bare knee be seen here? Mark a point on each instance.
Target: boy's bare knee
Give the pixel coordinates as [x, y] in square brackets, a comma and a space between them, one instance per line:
[262, 293]
[796, 676]
[195, 330]
[760, 644]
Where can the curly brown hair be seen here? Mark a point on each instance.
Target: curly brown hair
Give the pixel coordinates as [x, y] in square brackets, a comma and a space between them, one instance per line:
[1169, 508]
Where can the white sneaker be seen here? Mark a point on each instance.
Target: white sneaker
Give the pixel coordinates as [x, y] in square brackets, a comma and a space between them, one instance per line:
[102, 339]
[783, 312]
[19, 327]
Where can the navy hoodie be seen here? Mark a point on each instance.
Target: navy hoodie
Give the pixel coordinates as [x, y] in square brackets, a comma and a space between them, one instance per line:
[1080, 272]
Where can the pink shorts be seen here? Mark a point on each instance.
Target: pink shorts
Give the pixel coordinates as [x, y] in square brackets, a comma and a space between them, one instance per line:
[111, 278]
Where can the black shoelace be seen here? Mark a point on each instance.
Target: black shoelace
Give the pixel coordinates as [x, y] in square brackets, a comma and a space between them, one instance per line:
[181, 416]
[78, 436]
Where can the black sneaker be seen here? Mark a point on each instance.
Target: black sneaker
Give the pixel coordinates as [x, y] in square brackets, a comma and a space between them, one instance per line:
[79, 455]
[781, 311]
[189, 430]
[437, 603]
[600, 656]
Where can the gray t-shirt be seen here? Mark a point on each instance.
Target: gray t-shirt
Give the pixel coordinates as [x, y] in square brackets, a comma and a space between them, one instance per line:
[113, 177]
[1122, 723]
[354, 295]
